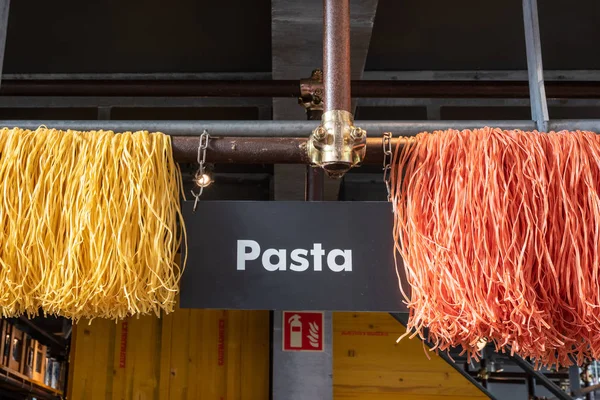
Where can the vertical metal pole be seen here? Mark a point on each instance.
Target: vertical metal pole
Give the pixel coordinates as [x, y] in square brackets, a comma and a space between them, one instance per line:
[574, 379]
[4, 8]
[586, 382]
[337, 145]
[300, 375]
[535, 69]
[336, 55]
[531, 387]
[315, 177]
[483, 368]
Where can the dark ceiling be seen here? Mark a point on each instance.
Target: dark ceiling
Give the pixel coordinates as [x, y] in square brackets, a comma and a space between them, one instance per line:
[481, 35]
[74, 36]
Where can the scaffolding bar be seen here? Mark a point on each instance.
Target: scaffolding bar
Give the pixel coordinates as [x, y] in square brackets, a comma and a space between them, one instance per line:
[537, 91]
[4, 9]
[276, 129]
[245, 150]
[290, 88]
[278, 142]
[336, 55]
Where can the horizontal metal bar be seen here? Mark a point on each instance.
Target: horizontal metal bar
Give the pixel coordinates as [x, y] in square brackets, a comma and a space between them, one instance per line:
[487, 75]
[589, 389]
[130, 102]
[182, 102]
[522, 375]
[281, 129]
[257, 150]
[467, 75]
[273, 142]
[592, 125]
[393, 102]
[147, 88]
[143, 76]
[291, 88]
[243, 150]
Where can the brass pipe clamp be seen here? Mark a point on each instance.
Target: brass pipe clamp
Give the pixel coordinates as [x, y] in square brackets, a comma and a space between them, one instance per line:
[337, 145]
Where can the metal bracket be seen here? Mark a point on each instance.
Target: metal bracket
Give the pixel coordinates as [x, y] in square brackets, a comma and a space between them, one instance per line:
[337, 145]
[311, 92]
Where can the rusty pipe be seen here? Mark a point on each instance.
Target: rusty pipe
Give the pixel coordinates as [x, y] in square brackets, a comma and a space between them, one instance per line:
[292, 88]
[336, 145]
[255, 150]
[336, 55]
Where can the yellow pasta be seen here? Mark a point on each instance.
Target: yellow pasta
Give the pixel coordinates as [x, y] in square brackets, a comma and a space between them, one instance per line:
[90, 223]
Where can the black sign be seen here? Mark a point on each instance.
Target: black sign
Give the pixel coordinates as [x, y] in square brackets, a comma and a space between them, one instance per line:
[288, 255]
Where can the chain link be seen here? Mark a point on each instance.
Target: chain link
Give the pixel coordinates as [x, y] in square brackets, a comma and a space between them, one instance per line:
[387, 162]
[201, 178]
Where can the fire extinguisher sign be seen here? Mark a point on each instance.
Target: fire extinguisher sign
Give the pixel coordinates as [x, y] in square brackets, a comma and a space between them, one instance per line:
[302, 331]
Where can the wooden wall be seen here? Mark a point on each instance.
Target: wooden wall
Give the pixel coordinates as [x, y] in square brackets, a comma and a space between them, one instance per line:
[224, 355]
[190, 354]
[369, 365]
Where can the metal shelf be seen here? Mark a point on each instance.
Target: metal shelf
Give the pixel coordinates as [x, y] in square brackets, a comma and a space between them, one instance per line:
[19, 383]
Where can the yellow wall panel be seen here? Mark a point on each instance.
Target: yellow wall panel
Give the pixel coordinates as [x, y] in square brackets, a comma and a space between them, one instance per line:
[368, 364]
[93, 356]
[224, 355]
[189, 354]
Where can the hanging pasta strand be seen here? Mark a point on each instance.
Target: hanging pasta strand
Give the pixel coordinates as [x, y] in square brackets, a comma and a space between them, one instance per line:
[90, 223]
[499, 232]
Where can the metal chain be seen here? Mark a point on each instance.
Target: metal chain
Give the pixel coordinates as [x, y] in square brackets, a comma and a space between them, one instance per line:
[387, 162]
[201, 179]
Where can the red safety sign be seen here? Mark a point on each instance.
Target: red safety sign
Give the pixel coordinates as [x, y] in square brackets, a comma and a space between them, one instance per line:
[303, 331]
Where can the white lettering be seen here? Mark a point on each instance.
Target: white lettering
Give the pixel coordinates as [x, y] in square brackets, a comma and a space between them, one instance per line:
[334, 266]
[281, 257]
[337, 260]
[243, 256]
[299, 263]
[317, 252]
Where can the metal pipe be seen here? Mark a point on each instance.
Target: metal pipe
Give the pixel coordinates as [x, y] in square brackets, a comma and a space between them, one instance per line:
[4, 9]
[484, 372]
[315, 184]
[291, 88]
[556, 376]
[589, 389]
[277, 142]
[531, 387]
[244, 150]
[336, 54]
[281, 129]
[153, 88]
[315, 178]
[537, 90]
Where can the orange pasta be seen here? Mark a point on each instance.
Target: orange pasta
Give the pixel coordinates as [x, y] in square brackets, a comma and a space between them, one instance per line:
[500, 232]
